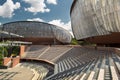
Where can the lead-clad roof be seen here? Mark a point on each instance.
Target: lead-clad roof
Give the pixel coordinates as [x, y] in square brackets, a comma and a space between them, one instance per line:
[36, 29]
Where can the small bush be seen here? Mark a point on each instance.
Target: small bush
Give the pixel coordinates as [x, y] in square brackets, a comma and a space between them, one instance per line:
[74, 42]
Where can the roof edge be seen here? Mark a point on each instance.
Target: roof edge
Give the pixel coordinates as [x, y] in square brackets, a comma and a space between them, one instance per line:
[72, 6]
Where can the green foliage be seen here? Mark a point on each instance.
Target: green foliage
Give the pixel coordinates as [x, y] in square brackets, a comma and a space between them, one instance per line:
[3, 52]
[1, 57]
[74, 42]
[84, 43]
[1, 61]
[15, 50]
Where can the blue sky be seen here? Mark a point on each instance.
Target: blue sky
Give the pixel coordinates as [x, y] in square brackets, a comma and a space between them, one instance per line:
[56, 12]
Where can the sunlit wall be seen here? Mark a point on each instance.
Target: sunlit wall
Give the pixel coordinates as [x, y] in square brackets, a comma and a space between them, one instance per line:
[95, 17]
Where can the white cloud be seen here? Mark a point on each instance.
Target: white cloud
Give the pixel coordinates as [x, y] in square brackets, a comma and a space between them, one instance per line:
[52, 2]
[36, 6]
[36, 19]
[66, 26]
[0, 23]
[8, 8]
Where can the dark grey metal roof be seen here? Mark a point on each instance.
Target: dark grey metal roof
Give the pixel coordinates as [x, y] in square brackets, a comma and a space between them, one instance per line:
[37, 29]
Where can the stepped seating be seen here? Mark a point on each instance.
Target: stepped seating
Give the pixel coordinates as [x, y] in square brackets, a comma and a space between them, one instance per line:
[99, 65]
[54, 53]
[35, 50]
[40, 69]
[16, 73]
[79, 63]
[75, 60]
[7, 75]
[49, 53]
[36, 47]
[75, 50]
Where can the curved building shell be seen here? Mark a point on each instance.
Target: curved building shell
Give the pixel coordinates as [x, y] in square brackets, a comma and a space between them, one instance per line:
[36, 31]
[95, 18]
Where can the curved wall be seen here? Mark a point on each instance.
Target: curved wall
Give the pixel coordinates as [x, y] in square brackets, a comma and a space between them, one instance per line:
[91, 18]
